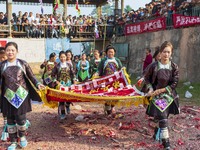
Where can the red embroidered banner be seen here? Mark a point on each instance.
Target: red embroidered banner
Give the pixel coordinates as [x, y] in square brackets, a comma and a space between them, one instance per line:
[112, 85]
[183, 21]
[148, 26]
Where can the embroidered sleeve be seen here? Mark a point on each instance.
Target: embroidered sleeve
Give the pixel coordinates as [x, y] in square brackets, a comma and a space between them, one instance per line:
[148, 78]
[100, 68]
[54, 74]
[119, 64]
[175, 77]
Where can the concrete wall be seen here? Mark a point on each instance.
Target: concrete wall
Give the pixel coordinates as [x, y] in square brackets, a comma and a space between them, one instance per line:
[186, 54]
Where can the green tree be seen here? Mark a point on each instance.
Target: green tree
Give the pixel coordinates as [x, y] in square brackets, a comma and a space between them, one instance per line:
[106, 10]
[127, 8]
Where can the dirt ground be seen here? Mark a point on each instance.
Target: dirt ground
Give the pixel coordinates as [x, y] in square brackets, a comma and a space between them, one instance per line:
[127, 129]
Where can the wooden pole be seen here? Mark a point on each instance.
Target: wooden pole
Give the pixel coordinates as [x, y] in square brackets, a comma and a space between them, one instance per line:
[65, 9]
[116, 4]
[99, 11]
[122, 6]
[9, 12]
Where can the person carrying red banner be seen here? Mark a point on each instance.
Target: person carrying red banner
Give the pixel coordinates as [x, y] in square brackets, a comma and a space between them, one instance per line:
[48, 67]
[161, 79]
[63, 74]
[108, 66]
[16, 94]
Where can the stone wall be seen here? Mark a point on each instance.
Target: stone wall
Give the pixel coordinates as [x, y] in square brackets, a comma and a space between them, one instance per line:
[186, 53]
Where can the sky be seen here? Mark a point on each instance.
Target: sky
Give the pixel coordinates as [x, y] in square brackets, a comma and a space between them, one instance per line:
[135, 4]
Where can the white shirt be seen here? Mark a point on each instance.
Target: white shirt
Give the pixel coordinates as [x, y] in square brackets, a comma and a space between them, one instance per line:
[63, 65]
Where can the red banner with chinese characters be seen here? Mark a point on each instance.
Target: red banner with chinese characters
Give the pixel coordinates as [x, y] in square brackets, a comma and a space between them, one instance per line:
[184, 21]
[147, 26]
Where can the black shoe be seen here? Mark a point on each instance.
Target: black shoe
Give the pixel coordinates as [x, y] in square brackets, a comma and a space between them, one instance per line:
[166, 144]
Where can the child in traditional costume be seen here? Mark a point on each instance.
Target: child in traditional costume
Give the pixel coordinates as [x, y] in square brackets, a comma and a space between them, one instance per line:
[108, 66]
[48, 66]
[16, 94]
[161, 79]
[63, 74]
[83, 69]
[95, 62]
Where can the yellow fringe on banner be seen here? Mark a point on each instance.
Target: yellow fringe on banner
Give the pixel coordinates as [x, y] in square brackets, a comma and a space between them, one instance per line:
[126, 75]
[51, 104]
[69, 96]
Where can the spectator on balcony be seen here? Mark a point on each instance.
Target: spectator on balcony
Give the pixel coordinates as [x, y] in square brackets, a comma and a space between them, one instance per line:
[111, 20]
[14, 21]
[20, 15]
[64, 30]
[2, 19]
[54, 31]
[5, 19]
[129, 17]
[141, 14]
[42, 28]
[27, 28]
[68, 21]
[146, 14]
[155, 8]
[89, 23]
[19, 23]
[31, 17]
[150, 8]
[163, 10]
[37, 18]
[36, 29]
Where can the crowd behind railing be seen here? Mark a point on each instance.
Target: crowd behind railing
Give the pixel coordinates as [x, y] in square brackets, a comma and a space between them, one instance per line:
[49, 25]
[159, 8]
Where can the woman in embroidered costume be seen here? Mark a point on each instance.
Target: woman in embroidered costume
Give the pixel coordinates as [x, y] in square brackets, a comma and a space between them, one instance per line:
[83, 69]
[17, 93]
[63, 74]
[108, 66]
[95, 62]
[48, 65]
[161, 79]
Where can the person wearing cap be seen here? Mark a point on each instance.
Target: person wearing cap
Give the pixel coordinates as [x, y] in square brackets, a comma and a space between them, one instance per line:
[108, 66]
[48, 66]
